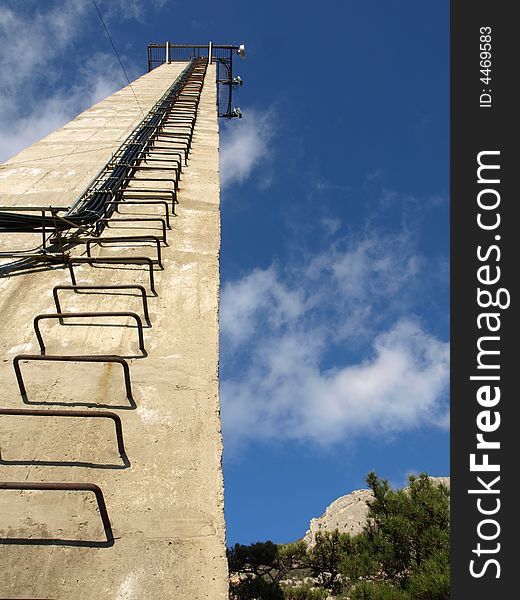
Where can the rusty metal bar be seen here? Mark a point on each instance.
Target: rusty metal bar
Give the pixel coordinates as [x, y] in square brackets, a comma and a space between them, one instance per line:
[126, 238]
[61, 316]
[73, 358]
[151, 150]
[116, 260]
[150, 155]
[138, 166]
[143, 203]
[137, 193]
[175, 164]
[172, 180]
[163, 139]
[66, 487]
[76, 288]
[103, 414]
[107, 220]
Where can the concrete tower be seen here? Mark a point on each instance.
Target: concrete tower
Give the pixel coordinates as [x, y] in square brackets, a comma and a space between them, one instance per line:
[110, 469]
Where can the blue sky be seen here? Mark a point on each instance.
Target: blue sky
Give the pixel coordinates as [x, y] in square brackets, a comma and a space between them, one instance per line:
[335, 227]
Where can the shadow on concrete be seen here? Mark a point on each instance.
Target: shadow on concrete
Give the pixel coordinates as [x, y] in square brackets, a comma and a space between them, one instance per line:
[130, 406]
[66, 463]
[59, 542]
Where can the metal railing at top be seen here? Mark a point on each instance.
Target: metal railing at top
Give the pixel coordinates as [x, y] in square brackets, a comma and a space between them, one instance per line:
[221, 55]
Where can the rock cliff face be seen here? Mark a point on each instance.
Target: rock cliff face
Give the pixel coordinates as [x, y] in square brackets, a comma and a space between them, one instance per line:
[348, 514]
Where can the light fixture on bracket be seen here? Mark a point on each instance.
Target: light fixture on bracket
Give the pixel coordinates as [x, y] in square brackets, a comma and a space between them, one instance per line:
[236, 112]
[241, 51]
[237, 80]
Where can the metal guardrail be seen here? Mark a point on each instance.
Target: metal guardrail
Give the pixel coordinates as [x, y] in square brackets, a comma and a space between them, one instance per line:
[221, 54]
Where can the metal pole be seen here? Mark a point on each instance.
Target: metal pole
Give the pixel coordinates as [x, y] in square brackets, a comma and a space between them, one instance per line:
[210, 50]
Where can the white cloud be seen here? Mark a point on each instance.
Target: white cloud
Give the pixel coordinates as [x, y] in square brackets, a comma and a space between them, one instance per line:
[277, 326]
[28, 44]
[259, 295]
[331, 225]
[286, 396]
[31, 56]
[376, 266]
[130, 9]
[99, 80]
[321, 185]
[364, 281]
[37, 93]
[245, 145]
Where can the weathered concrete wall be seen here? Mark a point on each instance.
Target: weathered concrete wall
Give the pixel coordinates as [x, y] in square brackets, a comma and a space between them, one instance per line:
[60, 166]
[166, 510]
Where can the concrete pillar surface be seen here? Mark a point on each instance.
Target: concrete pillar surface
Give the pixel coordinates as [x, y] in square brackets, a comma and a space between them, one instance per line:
[166, 508]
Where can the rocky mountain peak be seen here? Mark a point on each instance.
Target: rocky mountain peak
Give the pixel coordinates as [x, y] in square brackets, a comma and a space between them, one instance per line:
[348, 513]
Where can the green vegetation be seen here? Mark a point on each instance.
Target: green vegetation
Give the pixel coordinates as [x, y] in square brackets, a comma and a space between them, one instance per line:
[402, 554]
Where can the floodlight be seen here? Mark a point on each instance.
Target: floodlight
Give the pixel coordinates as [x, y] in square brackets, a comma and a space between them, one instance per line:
[241, 51]
[238, 80]
[236, 112]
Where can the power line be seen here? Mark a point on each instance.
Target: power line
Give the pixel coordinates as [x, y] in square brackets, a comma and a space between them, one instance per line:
[117, 54]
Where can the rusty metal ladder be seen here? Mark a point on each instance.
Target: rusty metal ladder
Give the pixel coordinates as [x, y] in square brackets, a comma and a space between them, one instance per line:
[166, 151]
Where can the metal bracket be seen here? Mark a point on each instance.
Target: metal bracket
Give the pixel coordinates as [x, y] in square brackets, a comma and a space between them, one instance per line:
[77, 288]
[100, 414]
[122, 202]
[106, 221]
[61, 316]
[65, 487]
[112, 260]
[136, 238]
[72, 358]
